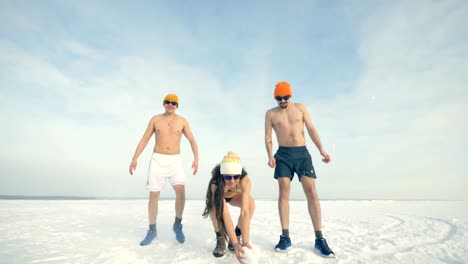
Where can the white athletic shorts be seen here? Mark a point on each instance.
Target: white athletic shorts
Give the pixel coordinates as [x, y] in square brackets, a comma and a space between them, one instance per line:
[164, 167]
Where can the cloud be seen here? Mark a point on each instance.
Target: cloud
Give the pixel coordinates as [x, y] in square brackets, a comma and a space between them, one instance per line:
[99, 120]
[76, 114]
[401, 128]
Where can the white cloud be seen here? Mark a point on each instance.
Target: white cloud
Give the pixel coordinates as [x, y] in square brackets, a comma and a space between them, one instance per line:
[82, 50]
[401, 132]
[398, 134]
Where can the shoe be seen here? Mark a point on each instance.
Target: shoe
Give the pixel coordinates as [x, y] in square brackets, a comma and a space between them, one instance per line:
[284, 244]
[322, 248]
[180, 237]
[220, 248]
[149, 237]
[230, 246]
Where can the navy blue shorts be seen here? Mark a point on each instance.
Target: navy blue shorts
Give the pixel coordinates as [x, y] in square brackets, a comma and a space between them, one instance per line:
[290, 160]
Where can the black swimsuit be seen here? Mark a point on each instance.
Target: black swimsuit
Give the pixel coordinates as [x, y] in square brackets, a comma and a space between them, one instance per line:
[226, 199]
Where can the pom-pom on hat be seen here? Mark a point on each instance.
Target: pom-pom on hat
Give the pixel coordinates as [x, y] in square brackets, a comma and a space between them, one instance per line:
[282, 88]
[231, 164]
[172, 97]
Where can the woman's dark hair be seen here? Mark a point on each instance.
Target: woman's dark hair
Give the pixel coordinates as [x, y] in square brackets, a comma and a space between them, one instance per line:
[217, 202]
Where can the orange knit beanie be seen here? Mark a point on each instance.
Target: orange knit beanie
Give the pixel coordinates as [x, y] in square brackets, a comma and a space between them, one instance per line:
[282, 88]
[172, 97]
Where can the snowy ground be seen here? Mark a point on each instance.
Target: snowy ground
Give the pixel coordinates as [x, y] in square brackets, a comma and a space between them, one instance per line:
[109, 232]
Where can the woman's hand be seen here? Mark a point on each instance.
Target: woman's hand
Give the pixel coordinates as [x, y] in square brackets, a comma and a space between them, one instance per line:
[238, 250]
[247, 245]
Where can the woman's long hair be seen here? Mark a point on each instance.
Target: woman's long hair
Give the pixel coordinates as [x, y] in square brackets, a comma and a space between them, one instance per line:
[218, 180]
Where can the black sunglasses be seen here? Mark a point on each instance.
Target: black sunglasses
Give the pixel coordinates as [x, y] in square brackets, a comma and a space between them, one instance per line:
[229, 177]
[170, 102]
[280, 98]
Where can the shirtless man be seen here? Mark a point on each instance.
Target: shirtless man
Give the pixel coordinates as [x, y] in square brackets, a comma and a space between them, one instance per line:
[166, 163]
[287, 120]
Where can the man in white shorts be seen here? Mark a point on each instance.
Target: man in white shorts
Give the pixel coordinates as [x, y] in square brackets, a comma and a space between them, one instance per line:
[166, 164]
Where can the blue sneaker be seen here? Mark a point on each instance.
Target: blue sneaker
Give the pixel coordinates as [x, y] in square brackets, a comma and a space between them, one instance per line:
[149, 237]
[179, 235]
[284, 244]
[321, 247]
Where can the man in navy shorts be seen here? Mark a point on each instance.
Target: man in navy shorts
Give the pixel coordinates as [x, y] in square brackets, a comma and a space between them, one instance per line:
[288, 120]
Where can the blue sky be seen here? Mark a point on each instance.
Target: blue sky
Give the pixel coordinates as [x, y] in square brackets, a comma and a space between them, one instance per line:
[384, 81]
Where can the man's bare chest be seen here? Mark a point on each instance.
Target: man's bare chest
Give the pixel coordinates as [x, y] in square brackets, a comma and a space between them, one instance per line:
[286, 120]
[168, 128]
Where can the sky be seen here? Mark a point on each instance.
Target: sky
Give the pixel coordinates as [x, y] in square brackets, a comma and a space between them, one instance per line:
[384, 82]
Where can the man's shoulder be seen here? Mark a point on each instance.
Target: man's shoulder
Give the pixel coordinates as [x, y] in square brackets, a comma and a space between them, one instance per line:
[158, 116]
[271, 110]
[298, 105]
[181, 118]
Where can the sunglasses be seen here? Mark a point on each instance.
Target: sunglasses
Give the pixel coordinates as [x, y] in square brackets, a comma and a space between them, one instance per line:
[280, 98]
[229, 177]
[170, 102]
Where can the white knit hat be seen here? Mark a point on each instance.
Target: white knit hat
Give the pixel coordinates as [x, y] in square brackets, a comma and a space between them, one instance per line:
[231, 164]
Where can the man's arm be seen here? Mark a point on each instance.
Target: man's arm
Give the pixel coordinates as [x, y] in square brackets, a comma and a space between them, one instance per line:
[268, 140]
[313, 133]
[193, 144]
[141, 146]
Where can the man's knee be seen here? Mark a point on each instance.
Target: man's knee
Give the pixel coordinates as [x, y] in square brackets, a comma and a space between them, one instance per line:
[153, 197]
[152, 203]
[179, 189]
[311, 194]
[284, 193]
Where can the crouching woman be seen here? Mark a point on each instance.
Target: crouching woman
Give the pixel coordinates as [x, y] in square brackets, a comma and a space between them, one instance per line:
[229, 183]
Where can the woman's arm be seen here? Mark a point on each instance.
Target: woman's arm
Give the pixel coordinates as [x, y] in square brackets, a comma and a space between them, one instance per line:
[229, 226]
[245, 211]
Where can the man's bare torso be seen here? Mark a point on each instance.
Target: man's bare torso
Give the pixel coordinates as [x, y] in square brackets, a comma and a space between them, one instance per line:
[168, 130]
[288, 125]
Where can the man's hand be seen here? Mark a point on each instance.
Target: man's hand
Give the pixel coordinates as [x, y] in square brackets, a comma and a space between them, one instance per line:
[195, 166]
[326, 156]
[272, 162]
[132, 167]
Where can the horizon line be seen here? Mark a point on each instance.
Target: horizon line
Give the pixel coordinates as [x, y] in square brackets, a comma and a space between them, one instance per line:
[78, 197]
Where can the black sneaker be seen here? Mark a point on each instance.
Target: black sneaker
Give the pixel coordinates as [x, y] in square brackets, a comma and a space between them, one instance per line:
[220, 248]
[284, 244]
[321, 247]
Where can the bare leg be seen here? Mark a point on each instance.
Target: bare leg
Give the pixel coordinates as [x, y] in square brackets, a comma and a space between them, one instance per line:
[152, 217]
[220, 248]
[180, 200]
[153, 207]
[283, 201]
[313, 202]
[245, 216]
[237, 202]
[214, 221]
[179, 208]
